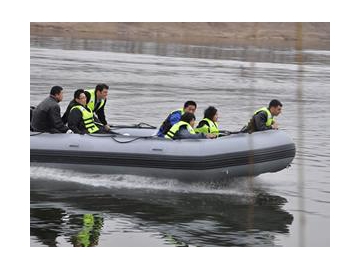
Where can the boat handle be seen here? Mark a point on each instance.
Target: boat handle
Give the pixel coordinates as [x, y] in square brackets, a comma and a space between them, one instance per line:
[73, 145]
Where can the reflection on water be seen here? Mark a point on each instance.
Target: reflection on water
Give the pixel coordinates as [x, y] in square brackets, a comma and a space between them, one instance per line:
[148, 80]
[50, 223]
[90, 231]
[78, 214]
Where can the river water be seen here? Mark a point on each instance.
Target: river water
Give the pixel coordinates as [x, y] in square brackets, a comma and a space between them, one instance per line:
[148, 80]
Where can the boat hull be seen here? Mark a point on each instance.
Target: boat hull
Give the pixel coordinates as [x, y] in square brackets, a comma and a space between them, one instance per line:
[138, 153]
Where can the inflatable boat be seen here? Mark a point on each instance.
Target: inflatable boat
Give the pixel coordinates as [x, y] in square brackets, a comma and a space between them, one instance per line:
[136, 150]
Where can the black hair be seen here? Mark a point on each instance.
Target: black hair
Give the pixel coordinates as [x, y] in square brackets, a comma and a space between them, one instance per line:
[55, 90]
[189, 103]
[78, 92]
[210, 112]
[275, 103]
[187, 117]
[101, 86]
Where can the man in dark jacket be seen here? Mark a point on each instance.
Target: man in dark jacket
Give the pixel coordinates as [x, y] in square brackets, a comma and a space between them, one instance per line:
[263, 118]
[46, 116]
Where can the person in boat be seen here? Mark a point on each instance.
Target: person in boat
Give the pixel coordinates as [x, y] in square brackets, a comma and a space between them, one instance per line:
[81, 117]
[209, 123]
[184, 129]
[96, 101]
[174, 117]
[46, 116]
[263, 118]
[71, 104]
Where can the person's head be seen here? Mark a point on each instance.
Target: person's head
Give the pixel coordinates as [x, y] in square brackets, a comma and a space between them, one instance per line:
[275, 107]
[101, 91]
[56, 92]
[211, 113]
[80, 97]
[188, 118]
[190, 106]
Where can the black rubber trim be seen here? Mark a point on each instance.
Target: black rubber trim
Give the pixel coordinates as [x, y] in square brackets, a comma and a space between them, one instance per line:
[163, 161]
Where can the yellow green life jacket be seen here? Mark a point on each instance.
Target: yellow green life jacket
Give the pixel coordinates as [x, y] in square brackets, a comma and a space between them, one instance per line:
[88, 118]
[180, 110]
[270, 119]
[91, 104]
[210, 127]
[175, 128]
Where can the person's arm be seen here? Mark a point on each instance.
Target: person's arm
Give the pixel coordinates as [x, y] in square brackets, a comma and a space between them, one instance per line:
[175, 117]
[56, 119]
[74, 120]
[101, 115]
[96, 120]
[260, 121]
[65, 116]
[183, 133]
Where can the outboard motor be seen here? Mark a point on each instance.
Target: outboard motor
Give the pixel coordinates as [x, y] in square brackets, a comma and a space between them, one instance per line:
[32, 108]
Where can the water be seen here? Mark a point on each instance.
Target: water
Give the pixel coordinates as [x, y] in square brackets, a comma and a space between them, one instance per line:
[147, 81]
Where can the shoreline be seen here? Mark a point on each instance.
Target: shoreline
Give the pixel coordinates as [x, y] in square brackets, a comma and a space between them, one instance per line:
[289, 35]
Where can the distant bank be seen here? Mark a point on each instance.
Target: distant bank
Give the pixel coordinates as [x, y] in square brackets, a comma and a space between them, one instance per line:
[264, 35]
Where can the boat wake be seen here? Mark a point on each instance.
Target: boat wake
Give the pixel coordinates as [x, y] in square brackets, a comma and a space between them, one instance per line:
[236, 187]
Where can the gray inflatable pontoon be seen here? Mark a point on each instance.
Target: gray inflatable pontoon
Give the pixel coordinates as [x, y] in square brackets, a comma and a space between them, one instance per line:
[136, 151]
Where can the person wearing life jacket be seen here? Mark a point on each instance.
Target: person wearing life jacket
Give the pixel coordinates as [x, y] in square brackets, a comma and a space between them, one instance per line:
[184, 129]
[81, 117]
[46, 116]
[209, 123]
[71, 104]
[174, 117]
[96, 100]
[263, 118]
